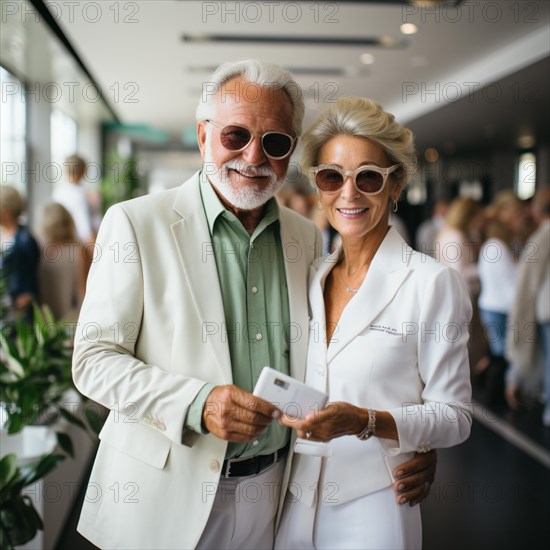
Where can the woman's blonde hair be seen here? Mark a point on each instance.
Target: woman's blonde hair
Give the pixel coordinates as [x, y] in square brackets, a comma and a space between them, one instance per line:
[57, 224]
[362, 117]
[461, 213]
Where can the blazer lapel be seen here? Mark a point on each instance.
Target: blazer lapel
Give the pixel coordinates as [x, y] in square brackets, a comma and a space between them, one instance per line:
[198, 264]
[296, 277]
[387, 272]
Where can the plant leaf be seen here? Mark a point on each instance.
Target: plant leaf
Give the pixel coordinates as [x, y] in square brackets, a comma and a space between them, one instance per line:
[72, 418]
[8, 469]
[66, 443]
[94, 420]
[37, 470]
[20, 520]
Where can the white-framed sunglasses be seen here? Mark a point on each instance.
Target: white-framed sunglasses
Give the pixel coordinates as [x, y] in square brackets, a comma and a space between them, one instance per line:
[276, 145]
[368, 179]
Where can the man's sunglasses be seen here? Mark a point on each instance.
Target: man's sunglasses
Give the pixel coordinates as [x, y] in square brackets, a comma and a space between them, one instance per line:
[276, 145]
[368, 179]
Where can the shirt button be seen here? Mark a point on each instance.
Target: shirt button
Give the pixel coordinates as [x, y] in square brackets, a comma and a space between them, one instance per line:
[259, 336]
[255, 442]
[254, 290]
[214, 465]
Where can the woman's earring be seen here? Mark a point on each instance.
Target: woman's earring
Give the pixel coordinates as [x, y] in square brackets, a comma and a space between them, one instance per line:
[320, 205]
[395, 205]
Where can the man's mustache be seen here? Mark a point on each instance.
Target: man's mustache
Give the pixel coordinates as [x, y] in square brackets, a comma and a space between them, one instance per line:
[249, 169]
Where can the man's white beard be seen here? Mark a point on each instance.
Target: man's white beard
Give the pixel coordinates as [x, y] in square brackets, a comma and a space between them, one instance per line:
[247, 197]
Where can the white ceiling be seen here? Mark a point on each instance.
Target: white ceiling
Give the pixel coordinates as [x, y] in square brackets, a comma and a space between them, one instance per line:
[136, 49]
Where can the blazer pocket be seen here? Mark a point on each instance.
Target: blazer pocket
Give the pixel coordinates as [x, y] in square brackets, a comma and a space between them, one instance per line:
[137, 440]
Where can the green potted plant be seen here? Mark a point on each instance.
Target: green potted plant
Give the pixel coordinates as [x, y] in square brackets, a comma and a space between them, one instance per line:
[19, 520]
[35, 375]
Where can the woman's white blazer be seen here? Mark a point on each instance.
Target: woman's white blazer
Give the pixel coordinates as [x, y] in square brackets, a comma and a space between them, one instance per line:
[400, 346]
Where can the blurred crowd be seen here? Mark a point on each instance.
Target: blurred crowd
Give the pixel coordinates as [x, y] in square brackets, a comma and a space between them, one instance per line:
[49, 267]
[502, 252]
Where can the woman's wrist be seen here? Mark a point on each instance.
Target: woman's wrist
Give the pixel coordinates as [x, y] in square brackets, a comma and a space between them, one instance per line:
[368, 424]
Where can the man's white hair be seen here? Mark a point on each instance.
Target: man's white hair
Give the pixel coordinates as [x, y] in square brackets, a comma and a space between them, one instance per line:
[258, 72]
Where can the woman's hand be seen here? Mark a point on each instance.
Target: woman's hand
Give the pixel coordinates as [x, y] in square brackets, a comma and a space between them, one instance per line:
[335, 420]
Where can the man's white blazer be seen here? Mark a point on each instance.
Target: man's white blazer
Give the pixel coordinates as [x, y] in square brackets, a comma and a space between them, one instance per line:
[150, 334]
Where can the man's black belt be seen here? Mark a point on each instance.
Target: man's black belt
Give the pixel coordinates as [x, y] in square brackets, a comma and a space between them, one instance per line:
[237, 467]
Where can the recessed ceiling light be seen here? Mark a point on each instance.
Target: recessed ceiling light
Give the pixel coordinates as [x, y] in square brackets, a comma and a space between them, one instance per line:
[526, 141]
[431, 154]
[367, 58]
[387, 41]
[409, 28]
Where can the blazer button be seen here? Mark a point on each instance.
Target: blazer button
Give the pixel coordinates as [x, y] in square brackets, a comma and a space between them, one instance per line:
[214, 465]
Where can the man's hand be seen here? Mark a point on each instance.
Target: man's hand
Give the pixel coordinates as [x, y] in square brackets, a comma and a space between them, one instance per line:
[414, 477]
[335, 420]
[234, 414]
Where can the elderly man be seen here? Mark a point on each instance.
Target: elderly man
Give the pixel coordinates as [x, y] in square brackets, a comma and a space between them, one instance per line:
[196, 290]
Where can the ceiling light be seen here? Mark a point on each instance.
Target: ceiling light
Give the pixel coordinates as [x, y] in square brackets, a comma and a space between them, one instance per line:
[367, 58]
[431, 154]
[388, 41]
[365, 41]
[409, 28]
[526, 141]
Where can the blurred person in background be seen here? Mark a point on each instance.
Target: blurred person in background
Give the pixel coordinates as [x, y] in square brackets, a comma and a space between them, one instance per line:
[528, 335]
[528, 224]
[72, 195]
[458, 242]
[427, 231]
[62, 273]
[19, 256]
[457, 246]
[507, 208]
[296, 198]
[497, 267]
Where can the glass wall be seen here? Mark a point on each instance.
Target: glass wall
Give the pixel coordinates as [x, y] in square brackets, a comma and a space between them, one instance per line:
[13, 131]
[64, 140]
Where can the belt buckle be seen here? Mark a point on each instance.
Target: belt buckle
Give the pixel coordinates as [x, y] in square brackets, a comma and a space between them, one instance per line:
[229, 462]
[228, 469]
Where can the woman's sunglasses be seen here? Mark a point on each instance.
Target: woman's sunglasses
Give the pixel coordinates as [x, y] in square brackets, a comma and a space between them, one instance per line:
[276, 145]
[368, 179]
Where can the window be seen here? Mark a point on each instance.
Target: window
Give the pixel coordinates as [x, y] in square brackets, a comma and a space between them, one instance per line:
[526, 175]
[12, 131]
[64, 140]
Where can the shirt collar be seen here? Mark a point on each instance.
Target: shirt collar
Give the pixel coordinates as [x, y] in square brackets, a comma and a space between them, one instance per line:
[213, 207]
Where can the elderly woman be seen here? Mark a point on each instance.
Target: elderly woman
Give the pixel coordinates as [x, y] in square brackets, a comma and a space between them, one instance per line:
[387, 343]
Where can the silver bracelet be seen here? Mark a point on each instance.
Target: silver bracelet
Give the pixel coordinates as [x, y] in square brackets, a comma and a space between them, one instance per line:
[371, 426]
